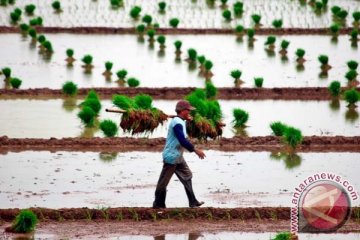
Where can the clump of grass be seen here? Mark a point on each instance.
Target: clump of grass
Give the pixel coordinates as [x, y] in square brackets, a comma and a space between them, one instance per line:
[300, 53]
[352, 64]
[293, 137]
[174, 22]
[87, 116]
[240, 118]
[211, 90]
[335, 10]
[135, 12]
[351, 96]
[277, 23]
[258, 82]
[162, 6]
[69, 88]
[133, 82]
[29, 9]
[87, 60]
[109, 128]
[56, 5]
[342, 14]
[192, 54]
[335, 88]
[24, 222]
[70, 56]
[278, 128]
[147, 19]
[41, 39]
[226, 15]
[7, 72]
[93, 103]
[15, 82]
[334, 29]
[256, 18]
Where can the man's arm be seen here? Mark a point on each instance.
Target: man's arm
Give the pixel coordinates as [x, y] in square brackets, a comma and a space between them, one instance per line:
[179, 133]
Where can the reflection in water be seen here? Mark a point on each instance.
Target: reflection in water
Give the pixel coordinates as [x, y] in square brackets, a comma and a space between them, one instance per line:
[291, 160]
[161, 53]
[140, 39]
[69, 104]
[351, 115]
[251, 44]
[239, 39]
[108, 156]
[300, 67]
[323, 74]
[334, 104]
[284, 59]
[270, 52]
[192, 66]
[241, 132]
[334, 40]
[89, 132]
[191, 236]
[354, 44]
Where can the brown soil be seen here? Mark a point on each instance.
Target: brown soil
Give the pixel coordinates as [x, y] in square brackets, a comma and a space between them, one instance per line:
[263, 143]
[113, 30]
[174, 93]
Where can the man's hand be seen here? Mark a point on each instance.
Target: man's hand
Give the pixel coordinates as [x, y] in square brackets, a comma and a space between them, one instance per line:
[200, 153]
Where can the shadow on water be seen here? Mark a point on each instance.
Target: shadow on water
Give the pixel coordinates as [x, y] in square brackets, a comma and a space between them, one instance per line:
[291, 160]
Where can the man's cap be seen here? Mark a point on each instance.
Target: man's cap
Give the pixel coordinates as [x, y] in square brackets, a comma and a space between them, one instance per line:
[183, 105]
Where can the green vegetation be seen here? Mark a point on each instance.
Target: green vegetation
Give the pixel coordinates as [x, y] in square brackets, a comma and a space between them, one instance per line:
[178, 45]
[270, 41]
[108, 66]
[258, 82]
[24, 222]
[240, 118]
[29, 9]
[352, 64]
[87, 60]
[351, 96]
[356, 16]
[334, 29]
[174, 22]
[122, 74]
[251, 33]
[15, 82]
[323, 59]
[293, 137]
[7, 72]
[227, 15]
[87, 116]
[24, 27]
[133, 82]
[162, 6]
[351, 75]
[277, 23]
[135, 12]
[238, 8]
[211, 90]
[236, 74]
[208, 65]
[140, 29]
[334, 88]
[161, 40]
[192, 54]
[48, 46]
[151, 34]
[93, 103]
[36, 21]
[278, 128]
[109, 128]
[115, 4]
[41, 39]
[69, 88]
[354, 35]
[15, 17]
[335, 10]
[33, 34]
[342, 14]
[256, 18]
[69, 52]
[300, 53]
[56, 5]
[283, 236]
[239, 30]
[147, 19]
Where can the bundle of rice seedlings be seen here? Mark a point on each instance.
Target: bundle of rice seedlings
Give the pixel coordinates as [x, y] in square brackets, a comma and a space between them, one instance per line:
[109, 128]
[207, 116]
[24, 222]
[92, 100]
[140, 116]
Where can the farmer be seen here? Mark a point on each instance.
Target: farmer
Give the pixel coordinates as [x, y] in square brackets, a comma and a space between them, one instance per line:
[174, 161]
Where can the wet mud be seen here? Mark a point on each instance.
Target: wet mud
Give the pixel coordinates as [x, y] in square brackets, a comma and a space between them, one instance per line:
[261, 143]
[173, 93]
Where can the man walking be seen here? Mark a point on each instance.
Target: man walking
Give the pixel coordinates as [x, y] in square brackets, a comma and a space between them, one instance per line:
[174, 161]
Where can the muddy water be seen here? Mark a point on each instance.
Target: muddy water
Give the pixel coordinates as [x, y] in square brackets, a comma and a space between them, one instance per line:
[58, 118]
[191, 13]
[156, 69]
[97, 180]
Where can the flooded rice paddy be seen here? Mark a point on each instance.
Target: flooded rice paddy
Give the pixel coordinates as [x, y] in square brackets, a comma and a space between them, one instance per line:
[128, 179]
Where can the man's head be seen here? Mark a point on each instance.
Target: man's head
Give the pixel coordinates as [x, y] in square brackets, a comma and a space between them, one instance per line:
[183, 105]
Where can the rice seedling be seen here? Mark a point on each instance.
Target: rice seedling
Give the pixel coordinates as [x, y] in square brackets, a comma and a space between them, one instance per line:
[87, 60]
[324, 60]
[325, 2]
[335, 88]
[147, 19]
[251, 33]
[18, 11]
[351, 75]
[292, 137]
[24, 28]
[284, 45]
[56, 5]
[201, 59]
[87, 116]
[29, 9]
[334, 29]
[15, 17]
[140, 115]
[115, 4]
[351, 97]
[342, 14]
[300, 56]
[36, 21]
[270, 41]
[335, 10]
[108, 67]
[277, 23]
[192, 54]
[352, 64]
[208, 66]
[258, 82]
[93, 103]
[151, 34]
[109, 128]
[278, 128]
[211, 91]
[41, 39]
[15, 82]
[318, 7]
[135, 12]
[227, 15]
[7, 72]
[69, 88]
[33, 34]
[236, 74]
[178, 45]
[161, 39]
[70, 56]
[240, 118]
[239, 30]
[3, 2]
[162, 6]
[174, 22]
[133, 82]
[283, 236]
[121, 76]
[356, 17]
[256, 18]
[24, 222]
[238, 8]
[354, 35]
[48, 46]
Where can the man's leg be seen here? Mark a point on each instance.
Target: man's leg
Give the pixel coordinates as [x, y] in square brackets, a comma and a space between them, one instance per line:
[184, 174]
[160, 192]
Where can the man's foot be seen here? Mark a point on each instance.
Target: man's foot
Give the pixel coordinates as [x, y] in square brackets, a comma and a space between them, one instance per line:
[198, 204]
[155, 206]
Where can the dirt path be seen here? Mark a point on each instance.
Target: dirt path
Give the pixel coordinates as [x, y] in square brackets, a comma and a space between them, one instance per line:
[266, 143]
[173, 93]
